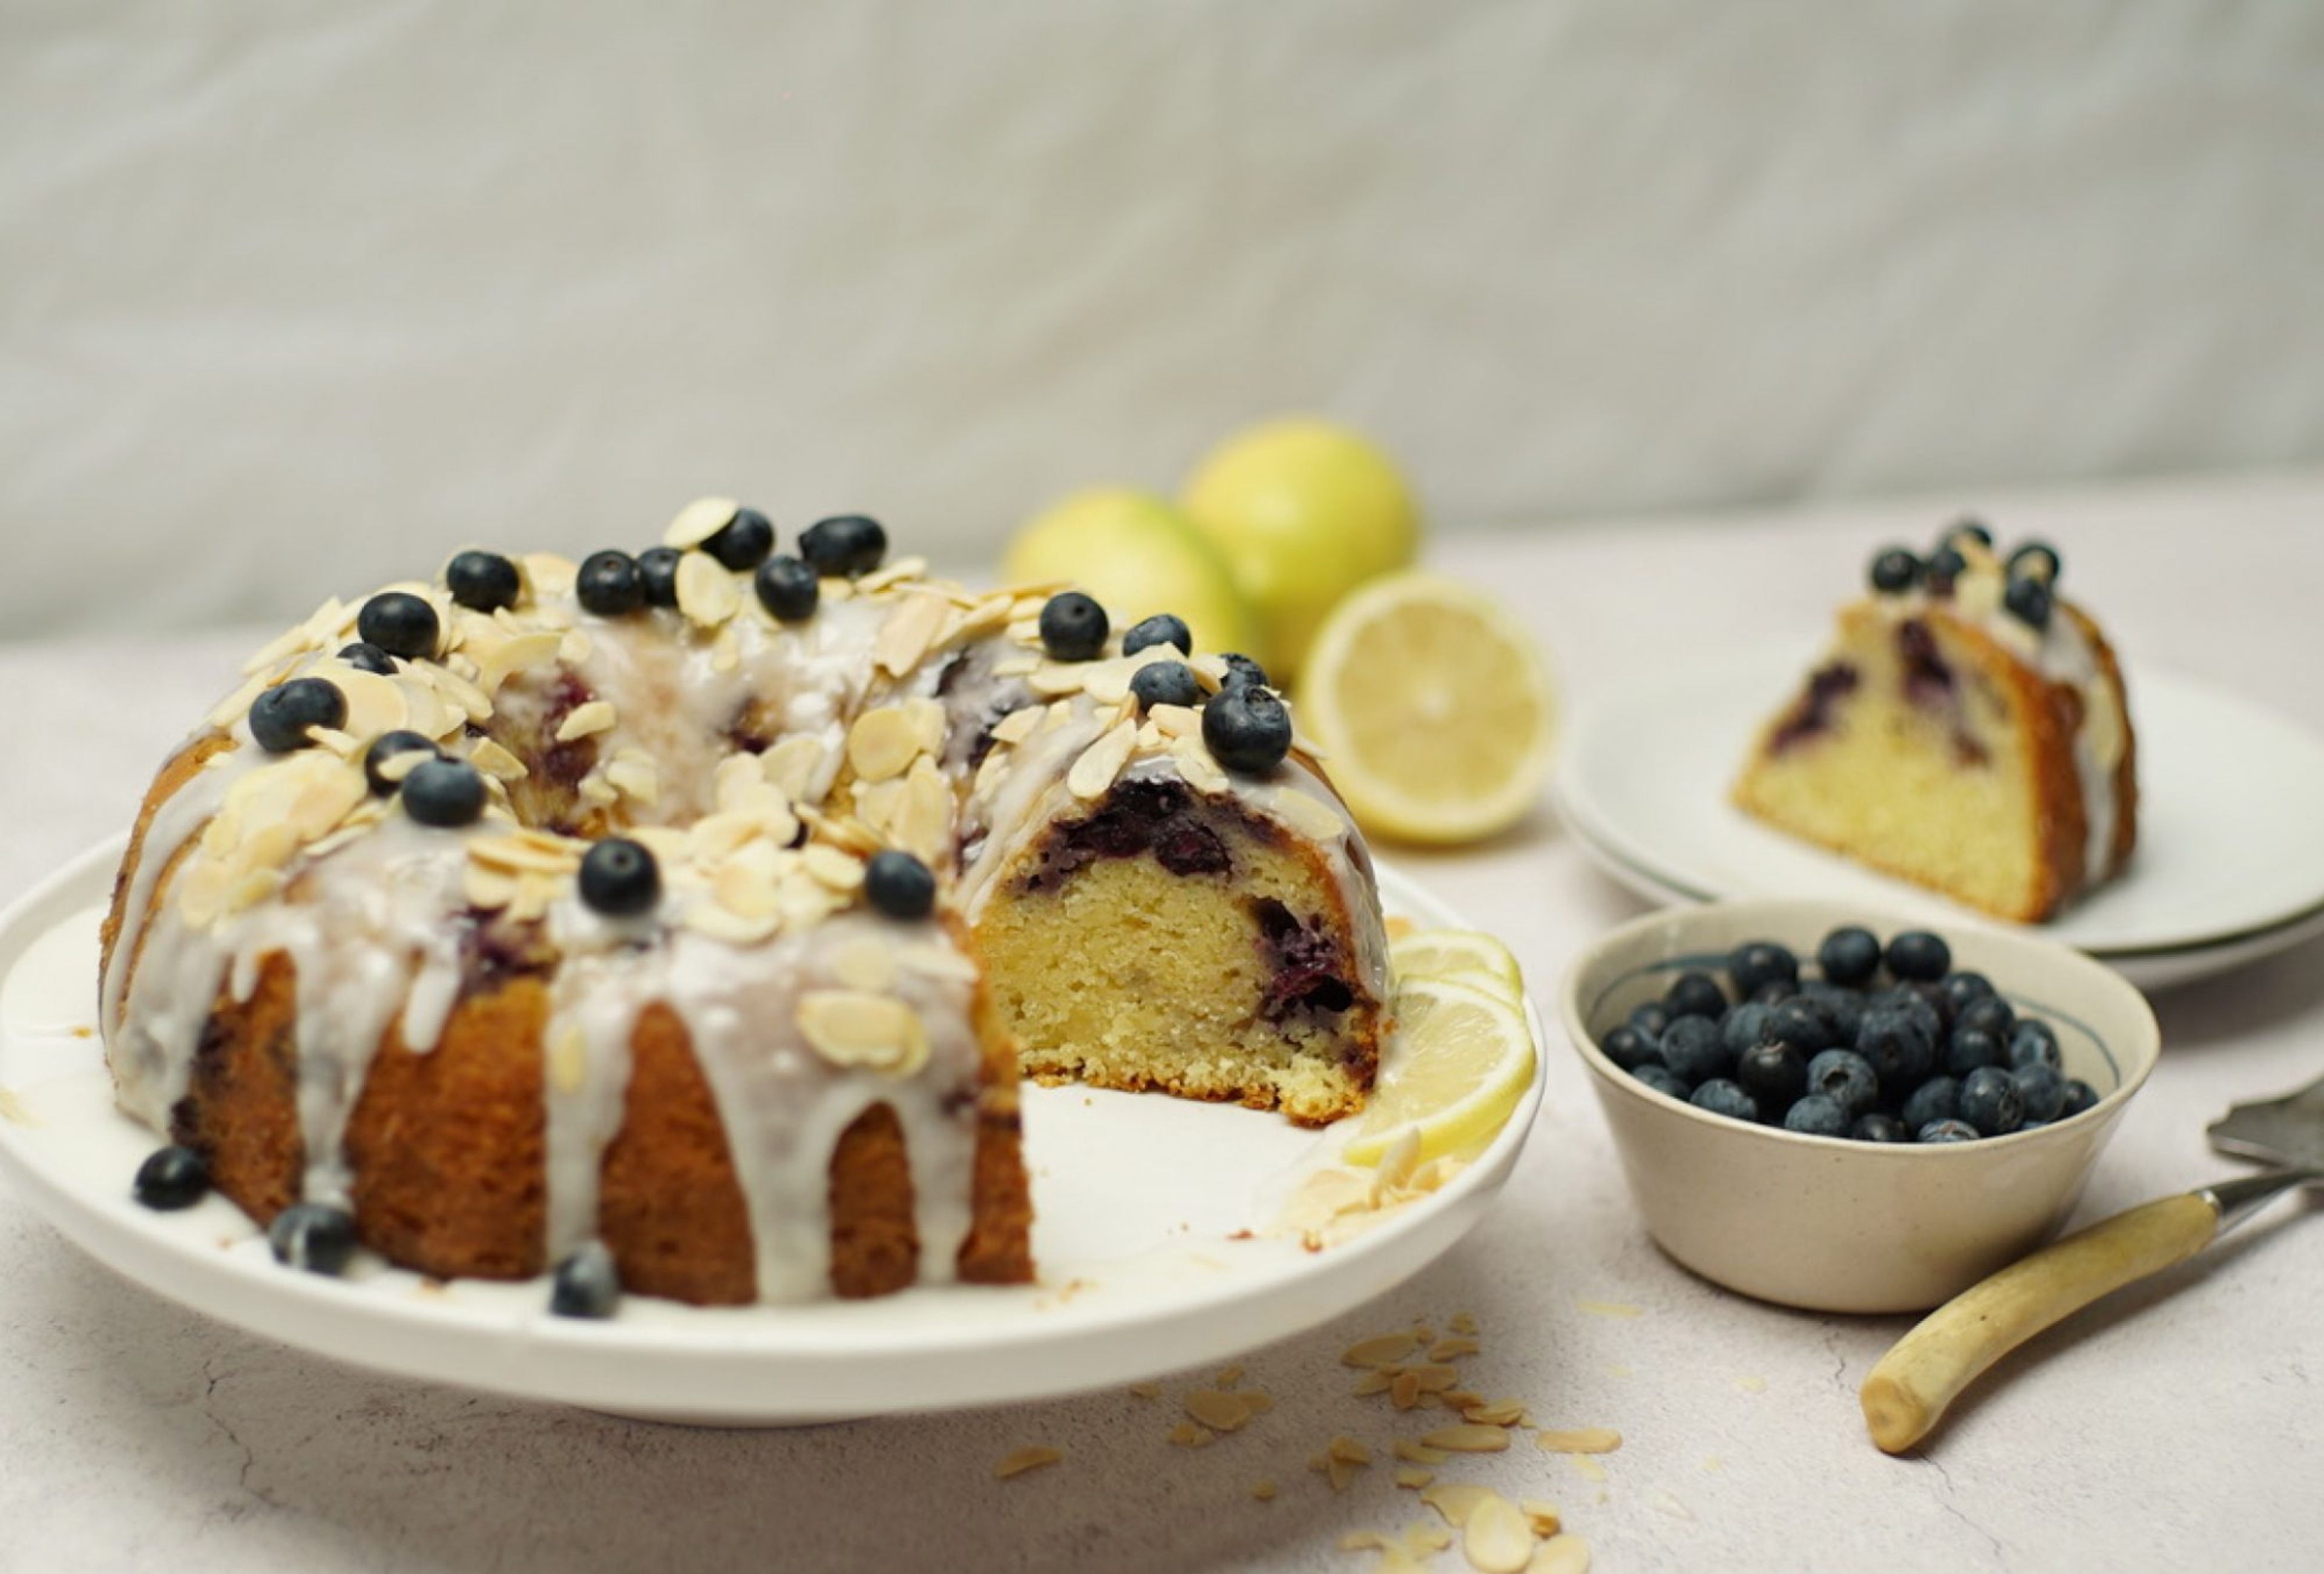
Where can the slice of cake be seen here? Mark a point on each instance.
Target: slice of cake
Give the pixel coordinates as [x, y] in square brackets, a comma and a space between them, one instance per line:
[1967, 730]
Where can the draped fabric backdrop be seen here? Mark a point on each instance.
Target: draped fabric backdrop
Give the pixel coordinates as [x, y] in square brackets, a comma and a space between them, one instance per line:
[296, 298]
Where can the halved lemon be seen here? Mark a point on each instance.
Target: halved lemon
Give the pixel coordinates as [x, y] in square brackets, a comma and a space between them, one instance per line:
[1460, 1060]
[1433, 709]
[1465, 956]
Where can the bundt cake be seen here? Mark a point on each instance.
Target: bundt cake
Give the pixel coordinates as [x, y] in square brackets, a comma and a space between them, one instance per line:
[680, 922]
[1967, 730]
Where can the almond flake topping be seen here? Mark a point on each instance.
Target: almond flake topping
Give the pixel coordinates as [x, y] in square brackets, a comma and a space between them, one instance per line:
[910, 632]
[568, 1060]
[1093, 774]
[1201, 771]
[586, 720]
[895, 573]
[515, 654]
[881, 744]
[1309, 816]
[698, 521]
[707, 593]
[1016, 726]
[849, 1028]
[484, 755]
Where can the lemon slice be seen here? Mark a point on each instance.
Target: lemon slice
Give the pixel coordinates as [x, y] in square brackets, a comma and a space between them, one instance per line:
[1461, 955]
[1433, 709]
[1460, 1060]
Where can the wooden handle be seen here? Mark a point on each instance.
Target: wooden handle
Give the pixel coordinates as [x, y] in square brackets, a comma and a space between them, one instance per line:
[1952, 1347]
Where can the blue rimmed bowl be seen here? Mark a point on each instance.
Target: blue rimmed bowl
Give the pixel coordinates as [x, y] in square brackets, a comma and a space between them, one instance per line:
[1834, 1224]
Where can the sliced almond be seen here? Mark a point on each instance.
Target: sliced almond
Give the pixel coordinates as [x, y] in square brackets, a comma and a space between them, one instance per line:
[488, 888]
[568, 1060]
[1344, 1447]
[1016, 726]
[1467, 1438]
[1497, 1539]
[792, 766]
[637, 779]
[1025, 1459]
[908, 633]
[1310, 817]
[1200, 769]
[1217, 1409]
[922, 823]
[1456, 1500]
[1187, 1435]
[868, 964]
[881, 744]
[1263, 1491]
[1378, 1380]
[1413, 1478]
[484, 755]
[375, 705]
[1380, 1350]
[1500, 1412]
[516, 654]
[706, 592]
[1542, 1517]
[1581, 1441]
[1565, 1554]
[1447, 1350]
[850, 1028]
[720, 922]
[698, 521]
[1093, 774]
[1419, 1453]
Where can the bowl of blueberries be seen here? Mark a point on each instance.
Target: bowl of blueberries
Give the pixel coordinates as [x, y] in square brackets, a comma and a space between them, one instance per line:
[1848, 1112]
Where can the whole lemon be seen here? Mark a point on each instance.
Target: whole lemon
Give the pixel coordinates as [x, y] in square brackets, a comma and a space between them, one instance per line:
[1137, 555]
[1304, 511]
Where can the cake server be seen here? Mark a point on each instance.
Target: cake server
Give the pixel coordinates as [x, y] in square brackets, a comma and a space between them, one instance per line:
[1952, 1347]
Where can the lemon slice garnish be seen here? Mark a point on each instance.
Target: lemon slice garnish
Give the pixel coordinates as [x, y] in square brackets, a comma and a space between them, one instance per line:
[1465, 956]
[1459, 1062]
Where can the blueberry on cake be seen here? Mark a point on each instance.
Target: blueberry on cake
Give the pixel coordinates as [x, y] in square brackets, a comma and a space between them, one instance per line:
[1967, 730]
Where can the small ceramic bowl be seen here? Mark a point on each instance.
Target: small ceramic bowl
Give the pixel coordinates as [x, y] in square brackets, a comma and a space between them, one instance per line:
[1835, 1225]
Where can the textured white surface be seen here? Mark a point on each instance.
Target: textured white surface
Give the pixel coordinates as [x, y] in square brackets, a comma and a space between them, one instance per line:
[295, 296]
[2176, 1427]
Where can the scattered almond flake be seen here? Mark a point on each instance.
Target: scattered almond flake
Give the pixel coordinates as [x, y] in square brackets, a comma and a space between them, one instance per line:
[1404, 1393]
[1468, 1438]
[1107, 681]
[849, 1028]
[1563, 1554]
[1670, 1505]
[1463, 1323]
[484, 755]
[1422, 1538]
[1395, 1168]
[908, 632]
[706, 592]
[1263, 1491]
[1581, 1441]
[1217, 1409]
[1340, 1472]
[1423, 1333]
[1308, 816]
[1501, 1413]
[14, 1111]
[1433, 1376]
[1607, 1308]
[1228, 1377]
[1591, 1470]
[1146, 1390]
[1378, 1380]
[1451, 1348]
[1025, 1459]
[1748, 1385]
[1497, 1540]
[1419, 1453]
[1458, 1398]
[1380, 1350]
[534, 893]
[1455, 1500]
[551, 574]
[1542, 1516]
[1258, 1400]
[1177, 721]
[1344, 1447]
[1413, 1476]
[698, 521]
[1362, 1541]
[1187, 1435]
[895, 573]
[1093, 774]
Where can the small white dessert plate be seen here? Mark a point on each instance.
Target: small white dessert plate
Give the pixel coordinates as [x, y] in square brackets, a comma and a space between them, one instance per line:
[2230, 860]
[1151, 1216]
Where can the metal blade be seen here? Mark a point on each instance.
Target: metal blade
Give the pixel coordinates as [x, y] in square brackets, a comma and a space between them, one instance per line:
[2289, 1130]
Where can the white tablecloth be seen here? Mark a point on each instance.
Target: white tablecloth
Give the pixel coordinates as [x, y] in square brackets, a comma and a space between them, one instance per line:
[2178, 1426]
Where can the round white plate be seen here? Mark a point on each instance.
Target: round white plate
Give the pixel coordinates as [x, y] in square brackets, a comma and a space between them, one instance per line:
[1140, 1205]
[2230, 853]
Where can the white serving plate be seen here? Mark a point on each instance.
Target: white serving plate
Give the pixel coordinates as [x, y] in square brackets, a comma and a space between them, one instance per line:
[2230, 861]
[1139, 1202]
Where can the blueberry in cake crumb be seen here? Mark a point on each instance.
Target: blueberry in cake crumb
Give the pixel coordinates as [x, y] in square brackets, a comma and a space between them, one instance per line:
[1895, 571]
[1660, 1079]
[900, 886]
[1165, 683]
[2029, 601]
[1161, 629]
[365, 657]
[1946, 1131]
[2041, 1090]
[619, 878]
[1721, 1097]
[788, 588]
[587, 1284]
[743, 541]
[2034, 1043]
[401, 623]
[2035, 560]
[172, 1178]
[1878, 1127]
[1692, 1048]
[609, 583]
[313, 1236]
[1937, 1098]
[389, 746]
[1818, 1114]
[1248, 729]
[1072, 627]
[1990, 1102]
[1629, 1049]
[1241, 670]
[482, 582]
[1970, 1047]
[658, 575]
[1774, 1074]
[1919, 957]
[1850, 956]
[2079, 1096]
[1846, 1078]
[1695, 995]
[442, 793]
[279, 716]
[1759, 963]
[844, 547]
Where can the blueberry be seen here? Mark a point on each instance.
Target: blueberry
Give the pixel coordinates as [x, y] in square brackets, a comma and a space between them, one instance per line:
[1842, 1008]
[1721, 1097]
[1944, 567]
[444, 793]
[1987, 1013]
[1774, 1074]
[1692, 1047]
[1771, 994]
[1248, 729]
[1990, 1102]
[2032, 1043]
[1913, 1003]
[1758, 963]
[172, 1178]
[1970, 525]
[387, 746]
[1651, 1020]
[1161, 629]
[1695, 995]
[658, 575]
[1937, 1098]
[787, 588]
[1801, 1024]
[2042, 1090]
[1894, 570]
[1850, 956]
[1743, 1026]
[1165, 683]
[1072, 627]
[609, 583]
[401, 623]
[743, 541]
[280, 716]
[1918, 956]
[1629, 1049]
[1877, 1127]
[1893, 1044]
[1963, 989]
[367, 658]
[2035, 560]
[2028, 600]
[1946, 1131]
[1846, 1078]
[1817, 1115]
[1970, 1047]
[620, 877]
[2079, 1096]
[844, 546]
[1242, 670]
[482, 582]
[587, 1284]
[313, 1235]
[900, 884]
[1660, 1079]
